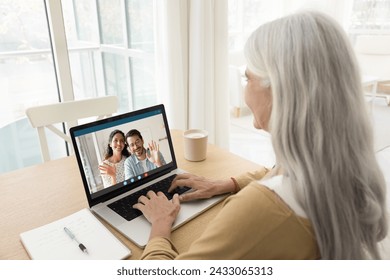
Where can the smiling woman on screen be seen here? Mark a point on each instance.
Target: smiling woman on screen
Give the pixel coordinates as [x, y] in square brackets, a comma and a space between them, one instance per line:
[112, 167]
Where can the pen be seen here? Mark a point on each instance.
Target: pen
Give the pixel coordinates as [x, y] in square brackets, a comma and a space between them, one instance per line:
[73, 237]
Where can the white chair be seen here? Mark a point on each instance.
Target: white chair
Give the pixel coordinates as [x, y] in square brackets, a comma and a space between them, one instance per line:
[69, 113]
[373, 54]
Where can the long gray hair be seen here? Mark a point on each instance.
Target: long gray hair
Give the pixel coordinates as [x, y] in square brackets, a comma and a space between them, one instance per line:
[321, 132]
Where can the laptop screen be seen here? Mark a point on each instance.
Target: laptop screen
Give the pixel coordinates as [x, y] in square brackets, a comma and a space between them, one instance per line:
[149, 153]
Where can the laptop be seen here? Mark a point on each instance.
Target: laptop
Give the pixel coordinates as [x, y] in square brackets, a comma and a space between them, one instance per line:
[114, 203]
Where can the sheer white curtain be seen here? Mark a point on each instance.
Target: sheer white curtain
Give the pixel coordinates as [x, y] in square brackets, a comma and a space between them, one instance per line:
[192, 67]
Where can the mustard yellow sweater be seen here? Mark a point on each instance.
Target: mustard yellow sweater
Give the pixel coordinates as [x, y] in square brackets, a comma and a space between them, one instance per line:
[253, 224]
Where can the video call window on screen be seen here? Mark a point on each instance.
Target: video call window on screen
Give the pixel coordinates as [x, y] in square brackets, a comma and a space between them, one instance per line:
[92, 144]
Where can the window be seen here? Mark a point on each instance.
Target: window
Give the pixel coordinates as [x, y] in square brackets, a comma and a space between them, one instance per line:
[24, 56]
[111, 52]
[27, 78]
[246, 15]
[111, 45]
[370, 17]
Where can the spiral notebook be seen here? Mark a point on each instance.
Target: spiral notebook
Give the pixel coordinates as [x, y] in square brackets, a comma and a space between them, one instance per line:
[51, 241]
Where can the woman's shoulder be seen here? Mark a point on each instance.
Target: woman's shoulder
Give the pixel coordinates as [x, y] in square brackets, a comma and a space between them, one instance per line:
[283, 191]
[255, 198]
[261, 215]
[255, 191]
[266, 195]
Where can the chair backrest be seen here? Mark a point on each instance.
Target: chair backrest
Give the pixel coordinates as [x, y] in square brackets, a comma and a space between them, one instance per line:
[69, 113]
[373, 54]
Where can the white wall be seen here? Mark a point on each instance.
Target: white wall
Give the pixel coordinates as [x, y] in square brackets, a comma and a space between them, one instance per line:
[338, 9]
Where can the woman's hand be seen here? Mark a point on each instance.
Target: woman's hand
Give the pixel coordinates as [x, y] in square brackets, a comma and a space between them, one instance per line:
[159, 211]
[107, 169]
[202, 187]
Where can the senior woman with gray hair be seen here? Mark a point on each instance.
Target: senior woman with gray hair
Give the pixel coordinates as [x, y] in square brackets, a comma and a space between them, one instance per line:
[326, 197]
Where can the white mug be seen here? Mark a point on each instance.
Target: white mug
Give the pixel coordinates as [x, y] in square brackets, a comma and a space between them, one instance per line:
[195, 144]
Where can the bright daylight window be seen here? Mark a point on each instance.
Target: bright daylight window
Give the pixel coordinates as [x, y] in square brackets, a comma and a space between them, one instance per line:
[246, 15]
[111, 46]
[26, 78]
[111, 52]
[370, 17]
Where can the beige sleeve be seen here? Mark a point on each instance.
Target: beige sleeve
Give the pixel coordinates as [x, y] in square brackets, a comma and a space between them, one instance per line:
[162, 248]
[221, 239]
[254, 224]
[233, 233]
[246, 178]
[159, 248]
[251, 225]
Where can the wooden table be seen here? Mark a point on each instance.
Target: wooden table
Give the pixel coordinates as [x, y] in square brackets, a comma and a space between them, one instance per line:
[37, 195]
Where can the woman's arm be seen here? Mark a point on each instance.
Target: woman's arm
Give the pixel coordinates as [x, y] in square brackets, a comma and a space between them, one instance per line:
[206, 188]
[202, 187]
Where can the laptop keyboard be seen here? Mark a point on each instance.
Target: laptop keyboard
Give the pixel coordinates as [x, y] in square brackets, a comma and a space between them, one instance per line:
[124, 205]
